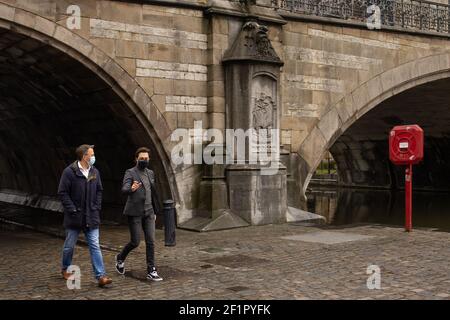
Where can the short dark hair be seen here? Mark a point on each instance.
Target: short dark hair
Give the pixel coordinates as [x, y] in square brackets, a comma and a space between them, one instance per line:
[141, 150]
[81, 150]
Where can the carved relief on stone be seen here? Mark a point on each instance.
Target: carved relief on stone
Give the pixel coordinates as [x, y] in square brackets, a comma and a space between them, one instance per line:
[263, 102]
[263, 112]
[257, 41]
[263, 46]
[263, 107]
[252, 44]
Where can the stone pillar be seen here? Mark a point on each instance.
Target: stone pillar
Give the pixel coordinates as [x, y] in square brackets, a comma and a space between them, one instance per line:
[256, 190]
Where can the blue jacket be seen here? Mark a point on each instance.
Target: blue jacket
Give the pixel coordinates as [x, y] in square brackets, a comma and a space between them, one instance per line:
[80, 197]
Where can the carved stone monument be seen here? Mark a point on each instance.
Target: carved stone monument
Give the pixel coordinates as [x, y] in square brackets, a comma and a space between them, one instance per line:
[257, 182]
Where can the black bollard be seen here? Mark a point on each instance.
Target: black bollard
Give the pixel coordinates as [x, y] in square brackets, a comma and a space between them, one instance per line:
[169, 223]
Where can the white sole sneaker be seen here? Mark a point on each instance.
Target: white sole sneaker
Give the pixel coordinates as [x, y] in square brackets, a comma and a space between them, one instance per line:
[154, 279]
[116, 267]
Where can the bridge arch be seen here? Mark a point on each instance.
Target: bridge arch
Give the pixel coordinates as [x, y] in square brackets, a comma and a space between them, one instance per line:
[120, 111]
[366, 97]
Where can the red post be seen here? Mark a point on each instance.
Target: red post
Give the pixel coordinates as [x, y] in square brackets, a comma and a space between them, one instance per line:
[406, 148]
[408, 198]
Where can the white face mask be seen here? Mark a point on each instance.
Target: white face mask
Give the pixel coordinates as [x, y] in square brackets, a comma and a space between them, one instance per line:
[92, 161]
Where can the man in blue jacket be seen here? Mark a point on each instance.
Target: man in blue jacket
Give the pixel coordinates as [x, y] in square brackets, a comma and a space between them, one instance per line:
[80, 190]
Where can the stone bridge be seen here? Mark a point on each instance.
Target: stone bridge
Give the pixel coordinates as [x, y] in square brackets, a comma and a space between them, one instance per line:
[124, 74]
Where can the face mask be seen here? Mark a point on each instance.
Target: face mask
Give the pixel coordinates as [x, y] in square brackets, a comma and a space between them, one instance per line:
[92, 161]
[142, 164]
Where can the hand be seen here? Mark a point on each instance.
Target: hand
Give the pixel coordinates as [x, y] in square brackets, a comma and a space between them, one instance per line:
[135, 186]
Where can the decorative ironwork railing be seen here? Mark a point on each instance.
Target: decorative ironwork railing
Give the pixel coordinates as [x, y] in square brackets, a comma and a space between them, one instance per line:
[407, 14]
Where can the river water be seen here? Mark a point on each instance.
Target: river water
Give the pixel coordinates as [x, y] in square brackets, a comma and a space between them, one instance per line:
[343, 206]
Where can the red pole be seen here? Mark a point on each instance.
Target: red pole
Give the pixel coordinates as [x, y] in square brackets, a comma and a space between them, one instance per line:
[408, 198]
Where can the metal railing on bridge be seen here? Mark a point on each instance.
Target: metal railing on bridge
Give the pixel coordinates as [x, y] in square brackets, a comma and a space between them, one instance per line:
[407, 14]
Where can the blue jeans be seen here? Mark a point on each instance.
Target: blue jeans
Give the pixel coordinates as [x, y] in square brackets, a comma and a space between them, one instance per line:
[92, 237]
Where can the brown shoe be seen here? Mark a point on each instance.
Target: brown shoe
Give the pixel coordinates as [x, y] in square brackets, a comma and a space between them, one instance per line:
[103, 281]
[65, 274]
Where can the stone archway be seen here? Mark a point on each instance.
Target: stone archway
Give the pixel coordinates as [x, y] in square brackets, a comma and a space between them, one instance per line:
[364, 98]
[130, 100]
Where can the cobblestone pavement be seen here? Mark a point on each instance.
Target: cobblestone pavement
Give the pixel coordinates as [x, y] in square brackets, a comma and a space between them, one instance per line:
[267, 262]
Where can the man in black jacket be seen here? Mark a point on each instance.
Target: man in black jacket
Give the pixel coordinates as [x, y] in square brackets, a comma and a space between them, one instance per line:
[141, 209]
[80, 190]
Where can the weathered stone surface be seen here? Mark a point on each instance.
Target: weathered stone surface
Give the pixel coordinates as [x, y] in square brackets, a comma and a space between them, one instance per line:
[328, 237]
[25, 18]
[314, 83]
[258, 199]
[146, 34]
[114, 11]
[352, 39]
[168, 70]
[66, 36]
[329, 124]
[313, 146]
[186, 104]
[324, 57]
[45, 26]
[131, 49]
[7, 12]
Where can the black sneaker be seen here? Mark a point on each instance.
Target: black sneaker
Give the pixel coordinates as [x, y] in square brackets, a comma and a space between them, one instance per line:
[153, 275]
[120, 266]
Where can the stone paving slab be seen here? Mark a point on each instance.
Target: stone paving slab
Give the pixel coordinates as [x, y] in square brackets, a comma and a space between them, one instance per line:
[327, 237]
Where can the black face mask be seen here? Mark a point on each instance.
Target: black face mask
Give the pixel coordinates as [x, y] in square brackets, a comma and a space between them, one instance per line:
[142, 164]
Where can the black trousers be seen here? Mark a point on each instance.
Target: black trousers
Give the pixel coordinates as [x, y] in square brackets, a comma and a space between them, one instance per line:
[147, 224]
